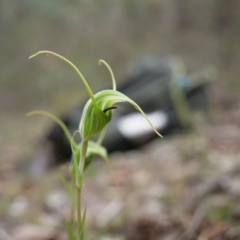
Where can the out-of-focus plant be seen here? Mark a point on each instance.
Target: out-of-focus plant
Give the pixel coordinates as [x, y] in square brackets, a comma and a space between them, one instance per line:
[97, 113]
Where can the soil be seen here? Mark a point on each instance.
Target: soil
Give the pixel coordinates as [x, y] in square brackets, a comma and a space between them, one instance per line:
[186, 186]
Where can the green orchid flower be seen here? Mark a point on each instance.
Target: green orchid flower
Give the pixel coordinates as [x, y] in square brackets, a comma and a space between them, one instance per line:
[97, 111]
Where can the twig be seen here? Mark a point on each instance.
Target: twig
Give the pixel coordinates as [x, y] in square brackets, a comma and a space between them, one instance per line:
[195, 224]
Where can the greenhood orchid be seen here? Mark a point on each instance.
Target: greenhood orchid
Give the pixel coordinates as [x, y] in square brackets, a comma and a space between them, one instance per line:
[97, 113]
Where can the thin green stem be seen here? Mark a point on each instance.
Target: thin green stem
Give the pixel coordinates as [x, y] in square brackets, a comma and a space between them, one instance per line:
[84, 146]
[79, 214]
[74, 67]
[111, 73]
[73, 199]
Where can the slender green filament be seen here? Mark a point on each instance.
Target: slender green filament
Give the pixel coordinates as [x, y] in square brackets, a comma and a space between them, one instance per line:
[141, 111]
[55, 119]
[74, 67]
[111, 72]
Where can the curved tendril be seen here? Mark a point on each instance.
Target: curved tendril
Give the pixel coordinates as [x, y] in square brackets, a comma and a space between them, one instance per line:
[72, 139]
[74, 67]
[57, 120]
[111, 72]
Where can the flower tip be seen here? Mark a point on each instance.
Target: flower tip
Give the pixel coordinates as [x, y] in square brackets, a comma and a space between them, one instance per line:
[100, 61]
[40, 52]
[34, 55]
[159, 134]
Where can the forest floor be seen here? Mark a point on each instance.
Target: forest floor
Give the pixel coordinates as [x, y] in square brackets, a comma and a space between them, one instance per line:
[186, 186]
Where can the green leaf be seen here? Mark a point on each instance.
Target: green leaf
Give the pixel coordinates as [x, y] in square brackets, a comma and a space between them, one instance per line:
[97, 149]
[56, 120]
[83, 223]
[69, 189]
[70, 229]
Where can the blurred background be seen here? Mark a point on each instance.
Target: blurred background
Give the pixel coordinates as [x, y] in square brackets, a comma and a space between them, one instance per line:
[202, 33]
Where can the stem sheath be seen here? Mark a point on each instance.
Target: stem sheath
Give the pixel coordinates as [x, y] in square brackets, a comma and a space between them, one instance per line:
[79, 215]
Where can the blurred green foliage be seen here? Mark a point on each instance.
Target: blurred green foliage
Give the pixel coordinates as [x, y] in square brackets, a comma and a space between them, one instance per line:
[202, 33]
[118, 31]
[221, 213]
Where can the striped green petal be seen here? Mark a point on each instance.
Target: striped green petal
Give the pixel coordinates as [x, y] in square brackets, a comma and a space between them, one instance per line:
[94, 119]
